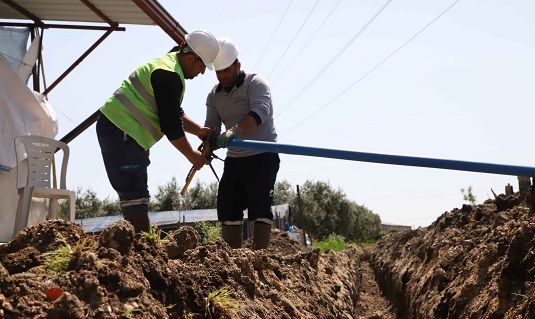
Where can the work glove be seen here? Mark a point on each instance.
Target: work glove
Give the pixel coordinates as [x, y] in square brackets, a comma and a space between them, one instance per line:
[224, 138]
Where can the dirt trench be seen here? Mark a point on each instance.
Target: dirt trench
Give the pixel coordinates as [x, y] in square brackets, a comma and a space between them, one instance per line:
[473, 262]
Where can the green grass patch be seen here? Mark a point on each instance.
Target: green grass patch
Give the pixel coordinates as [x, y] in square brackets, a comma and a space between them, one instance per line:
[333, 242]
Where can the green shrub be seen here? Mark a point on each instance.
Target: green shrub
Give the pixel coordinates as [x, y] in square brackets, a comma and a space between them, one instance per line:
[154, 236]
[221, 304]
[368, 242]
[208, 232]
[333, 242]
[468, 195]
[58, 260]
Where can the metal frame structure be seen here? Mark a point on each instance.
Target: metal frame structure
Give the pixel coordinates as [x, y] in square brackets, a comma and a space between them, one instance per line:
[112, 13]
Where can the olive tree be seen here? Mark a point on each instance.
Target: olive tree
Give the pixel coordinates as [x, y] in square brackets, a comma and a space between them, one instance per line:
[323, 211]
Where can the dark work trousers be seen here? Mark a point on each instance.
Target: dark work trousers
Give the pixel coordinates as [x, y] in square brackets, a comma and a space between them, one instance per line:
[126, 163]
[247, 182]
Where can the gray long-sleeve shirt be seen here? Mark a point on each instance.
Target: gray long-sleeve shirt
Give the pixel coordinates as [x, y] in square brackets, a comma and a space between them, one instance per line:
[251, 94]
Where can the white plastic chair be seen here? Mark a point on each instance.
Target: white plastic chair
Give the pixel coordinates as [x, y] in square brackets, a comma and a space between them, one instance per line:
[40, 151]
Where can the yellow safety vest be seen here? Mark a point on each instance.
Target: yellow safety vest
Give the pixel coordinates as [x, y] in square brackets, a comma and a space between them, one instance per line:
[133, 109]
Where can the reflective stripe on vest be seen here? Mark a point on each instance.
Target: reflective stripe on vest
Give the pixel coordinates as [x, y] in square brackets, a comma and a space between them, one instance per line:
[136, 113]
[143, 91]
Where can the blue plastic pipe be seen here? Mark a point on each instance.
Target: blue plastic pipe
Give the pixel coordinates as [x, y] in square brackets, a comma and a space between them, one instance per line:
[384, 158]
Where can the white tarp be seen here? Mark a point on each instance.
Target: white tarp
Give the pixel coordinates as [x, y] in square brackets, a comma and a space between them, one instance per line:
[23, 113]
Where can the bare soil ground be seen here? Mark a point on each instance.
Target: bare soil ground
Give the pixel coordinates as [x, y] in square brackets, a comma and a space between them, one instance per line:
[118, 275]
[473, 262]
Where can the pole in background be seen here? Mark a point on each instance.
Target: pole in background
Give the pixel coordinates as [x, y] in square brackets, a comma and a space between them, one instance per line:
[303, 237]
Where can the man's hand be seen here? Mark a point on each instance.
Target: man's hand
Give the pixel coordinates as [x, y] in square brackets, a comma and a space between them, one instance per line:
[224, 138]
[204, 132]
[197, 159]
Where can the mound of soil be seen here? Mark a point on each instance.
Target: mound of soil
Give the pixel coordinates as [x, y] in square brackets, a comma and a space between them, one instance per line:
[473, 262]
[121, 275]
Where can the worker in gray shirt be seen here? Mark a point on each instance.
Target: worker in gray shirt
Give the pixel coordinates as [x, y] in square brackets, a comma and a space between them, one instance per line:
[242, 102]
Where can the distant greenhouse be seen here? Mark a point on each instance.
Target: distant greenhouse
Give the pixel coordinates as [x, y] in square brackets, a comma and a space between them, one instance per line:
[172, 219]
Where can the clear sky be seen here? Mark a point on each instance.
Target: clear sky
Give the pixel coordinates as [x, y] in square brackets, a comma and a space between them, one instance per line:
[407, 78]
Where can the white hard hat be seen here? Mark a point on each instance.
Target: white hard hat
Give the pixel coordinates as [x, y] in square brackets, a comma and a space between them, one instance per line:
[205, 45]
[228, 52]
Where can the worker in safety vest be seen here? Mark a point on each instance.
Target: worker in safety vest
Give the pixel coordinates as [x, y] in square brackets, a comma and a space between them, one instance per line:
[242, 102]
[146, 107]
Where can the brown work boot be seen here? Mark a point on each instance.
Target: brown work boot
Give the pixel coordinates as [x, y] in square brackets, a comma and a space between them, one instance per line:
[261, 235]
[232, 235]
[140, 220]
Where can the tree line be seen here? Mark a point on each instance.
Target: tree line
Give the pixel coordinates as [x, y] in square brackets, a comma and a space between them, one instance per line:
[315, 206]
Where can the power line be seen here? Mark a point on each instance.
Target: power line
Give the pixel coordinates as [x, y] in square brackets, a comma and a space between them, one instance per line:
[293, 39]
[274, 32]
[315, 77]
[308, 42]
[375, 67]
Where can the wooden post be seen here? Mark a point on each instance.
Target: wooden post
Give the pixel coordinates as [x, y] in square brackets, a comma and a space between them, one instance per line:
[303, 239]
[508, 189]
